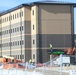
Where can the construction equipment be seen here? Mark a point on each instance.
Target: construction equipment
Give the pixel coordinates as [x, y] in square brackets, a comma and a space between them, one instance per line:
[9, 61]
[69, 51]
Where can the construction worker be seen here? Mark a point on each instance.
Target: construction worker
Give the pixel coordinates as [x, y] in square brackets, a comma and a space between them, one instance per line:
[30, 61]
[51, 47]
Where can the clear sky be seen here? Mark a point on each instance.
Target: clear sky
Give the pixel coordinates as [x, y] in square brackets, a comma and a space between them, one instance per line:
[8, 4]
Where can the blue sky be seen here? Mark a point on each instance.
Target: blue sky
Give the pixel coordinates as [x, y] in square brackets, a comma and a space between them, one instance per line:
[8, 4]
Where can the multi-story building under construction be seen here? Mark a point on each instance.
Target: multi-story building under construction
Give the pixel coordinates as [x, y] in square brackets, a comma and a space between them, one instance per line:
[27, 30]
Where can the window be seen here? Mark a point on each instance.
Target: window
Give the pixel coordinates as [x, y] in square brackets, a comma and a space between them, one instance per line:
[20, 42]
[18, 56]
[7, 31]
[17, 28]
[33, 56]
[16, 43]
[20, 28]
[22, 13]
[13, 17]
[33, 41]
[0, 33]
[33, 12]
[33, 27]
[7, 18]
[17, 15]
[0, 21]
[22, 56]
[13, 30]
[3, 20]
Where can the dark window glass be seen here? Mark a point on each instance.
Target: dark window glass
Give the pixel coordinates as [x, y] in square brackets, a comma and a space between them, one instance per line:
[0, 21]
[3, 20]
[7, 18]
[20, 28]
[22, 13]
[17, 28]
[22, 56]
[13, 16]
[17, 15]
[13, 43]
[7, 31]
[20, 42]
[33, 41]
[18, 56]
[16, 43]
[13, 30]
[33, 27]
[33, 12]
[33, 56]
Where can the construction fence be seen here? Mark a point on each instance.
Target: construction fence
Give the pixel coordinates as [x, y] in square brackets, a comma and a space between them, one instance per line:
[60, 65]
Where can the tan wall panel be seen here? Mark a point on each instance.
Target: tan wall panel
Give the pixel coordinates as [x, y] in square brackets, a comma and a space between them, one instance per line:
[56, 27]
[55, 12]
[55, 19]
[27, 13]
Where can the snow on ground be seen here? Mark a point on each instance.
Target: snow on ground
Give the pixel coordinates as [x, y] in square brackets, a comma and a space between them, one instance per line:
[18, 72]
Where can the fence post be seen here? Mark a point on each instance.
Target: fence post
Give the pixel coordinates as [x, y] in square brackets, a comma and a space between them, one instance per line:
[50, 64]
[26, 67]
[8, 68]
[61, 60]
[44, 69]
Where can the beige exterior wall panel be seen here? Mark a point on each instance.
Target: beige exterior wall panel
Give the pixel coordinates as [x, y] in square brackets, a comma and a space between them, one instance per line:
[15, 20]
[56, 20]
[18, 11]
[27, 13]
[3, 18]
[55, 12]
[56, 27]
[34, 31]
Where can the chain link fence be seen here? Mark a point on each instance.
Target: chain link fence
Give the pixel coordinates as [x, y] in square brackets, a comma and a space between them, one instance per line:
[60, 65]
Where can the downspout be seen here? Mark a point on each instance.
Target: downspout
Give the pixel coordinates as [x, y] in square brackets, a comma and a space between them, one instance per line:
[1, 35]
[10, 32]
[72, 24]
[21, 30]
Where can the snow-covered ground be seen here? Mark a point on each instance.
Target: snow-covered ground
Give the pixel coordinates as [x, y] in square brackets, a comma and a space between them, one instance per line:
[18, 72]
